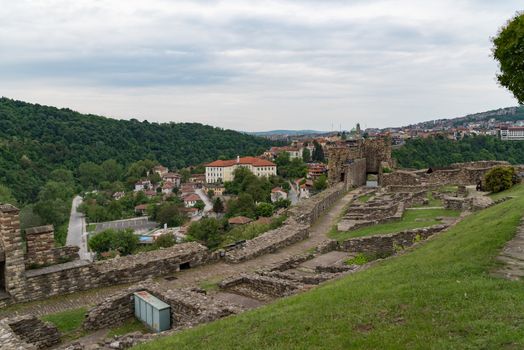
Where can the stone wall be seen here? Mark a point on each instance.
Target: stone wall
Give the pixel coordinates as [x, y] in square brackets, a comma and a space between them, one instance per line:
[376, 152]
[32, 331]
[81, 275]
[11, 241]
[274, 287]
[41, 249]
[460, 174]
[308, 211]
[188, 307]
[482, 164]
[384, 245]
[356, 173]
[290, 233]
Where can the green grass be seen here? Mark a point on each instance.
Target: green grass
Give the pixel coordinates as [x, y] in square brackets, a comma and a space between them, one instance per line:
[410, 220]
[432, 201]
[365, 198]
[438, 296]
[448, 189]
[91, 227]
[514, 191]
[132, 325]
[69, 322]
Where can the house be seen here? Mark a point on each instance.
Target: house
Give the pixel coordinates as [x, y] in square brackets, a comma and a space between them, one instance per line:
[278, 193]
[221, 171]
[218, 189]
[143, 185]
[118, 195]
[187, 189]
[315, 170]
[160, 170]
[167, 187]
[293, 151]
[303, 187]
[239, 220]
[191, 199]
[197, 178]
[190, 212]
[150, 193]
[141, 209]
[173, 178]
[511, 133]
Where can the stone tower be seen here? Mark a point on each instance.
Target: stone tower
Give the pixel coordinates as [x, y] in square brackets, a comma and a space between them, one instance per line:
[12, 265]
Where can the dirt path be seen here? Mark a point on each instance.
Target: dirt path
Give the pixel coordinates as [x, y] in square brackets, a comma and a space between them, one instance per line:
[196, 276]
[513, 257]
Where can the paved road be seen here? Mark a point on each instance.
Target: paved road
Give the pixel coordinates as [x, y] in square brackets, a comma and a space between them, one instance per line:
[205, 199]
[76, 233]
[293, 194]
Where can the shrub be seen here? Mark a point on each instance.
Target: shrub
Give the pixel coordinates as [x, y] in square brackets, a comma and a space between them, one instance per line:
[359, 259]
[165, 241]
[265, 210]
[500, 178]
[124, 241]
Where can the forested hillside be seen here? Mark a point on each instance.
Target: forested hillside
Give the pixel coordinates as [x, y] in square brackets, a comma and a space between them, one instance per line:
[441, 152]
[35, 139]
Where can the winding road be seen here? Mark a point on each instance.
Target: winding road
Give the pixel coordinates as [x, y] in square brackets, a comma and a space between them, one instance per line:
[76, 232]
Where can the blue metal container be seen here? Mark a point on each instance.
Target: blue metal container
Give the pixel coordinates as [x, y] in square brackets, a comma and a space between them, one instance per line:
[152, 311]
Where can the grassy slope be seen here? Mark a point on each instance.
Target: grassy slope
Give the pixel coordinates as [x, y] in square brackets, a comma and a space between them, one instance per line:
[439, 296]
[408, 222]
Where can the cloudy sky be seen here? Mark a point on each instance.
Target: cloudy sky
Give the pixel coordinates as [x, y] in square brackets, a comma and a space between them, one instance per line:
[256, 65]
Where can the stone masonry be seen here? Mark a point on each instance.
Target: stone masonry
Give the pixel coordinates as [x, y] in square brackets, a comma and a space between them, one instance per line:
[11, 241]
[41, 249]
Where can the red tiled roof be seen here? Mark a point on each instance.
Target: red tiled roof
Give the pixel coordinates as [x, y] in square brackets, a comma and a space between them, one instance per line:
[277, 189]
[254, 161]
[170, 175]
[239, 220]
[141, 207]
[192, 198]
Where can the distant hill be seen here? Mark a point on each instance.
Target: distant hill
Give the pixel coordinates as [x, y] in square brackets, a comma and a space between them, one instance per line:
[36, 139]
[500, 115]
[285, 132]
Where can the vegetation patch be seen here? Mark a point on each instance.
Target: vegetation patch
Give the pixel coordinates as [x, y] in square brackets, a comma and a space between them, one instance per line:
[132, 325]
[439, 296]
[69, 323]
[410, 220]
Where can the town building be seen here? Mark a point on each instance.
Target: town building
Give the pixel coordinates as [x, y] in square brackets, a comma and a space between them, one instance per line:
[167, 187]
[190, 200]
[118, 195]
[223, 170]
[217, 188]
[142, 185]
[316, 170]
[160, 170]
[173, 178]
[511, 133]
[277, 194]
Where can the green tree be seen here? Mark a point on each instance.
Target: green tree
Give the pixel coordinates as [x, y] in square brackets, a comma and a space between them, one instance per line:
[508, 51]
[500, 179]
[318, 153]
[218, 206]
[320, 184]
[90, 174]
[306, 155]
[6, 196]
[111, 170]
[165, 241]
[208, 231]
[200, 205]
[265, 210]
[170, 214]
[244, 205]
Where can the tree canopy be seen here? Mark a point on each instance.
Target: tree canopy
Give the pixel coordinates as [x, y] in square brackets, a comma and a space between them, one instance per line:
[508, 51]
[35, 140]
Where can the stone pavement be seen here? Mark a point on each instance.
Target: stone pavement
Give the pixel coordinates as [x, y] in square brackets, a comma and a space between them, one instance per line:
[195, 276]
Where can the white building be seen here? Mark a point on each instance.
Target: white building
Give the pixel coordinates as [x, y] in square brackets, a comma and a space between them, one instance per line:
[278, 193]
[511, 133]
[223, 170]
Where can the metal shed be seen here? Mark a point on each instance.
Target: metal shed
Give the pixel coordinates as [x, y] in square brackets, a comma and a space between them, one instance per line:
[152, 311]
